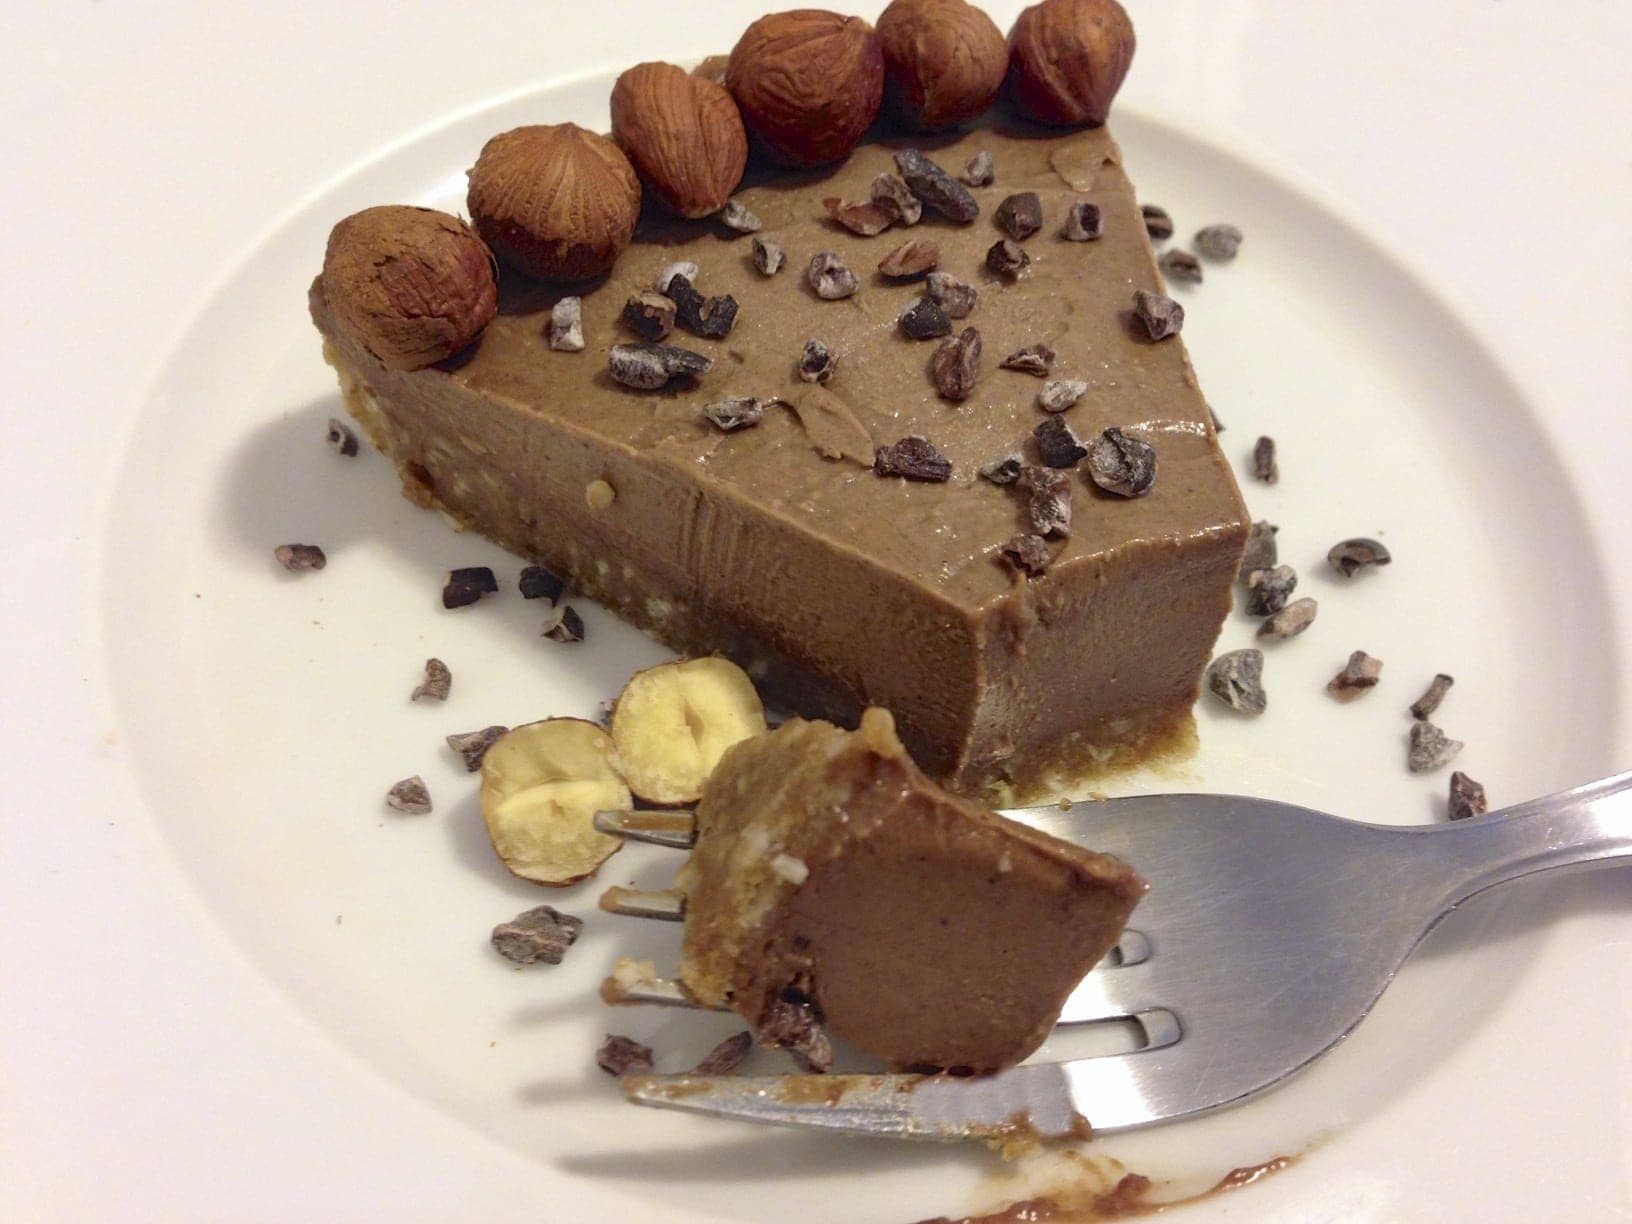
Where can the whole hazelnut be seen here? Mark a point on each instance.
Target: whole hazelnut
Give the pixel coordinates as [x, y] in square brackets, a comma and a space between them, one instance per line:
[944, 61]
[1069, 58]
[411, 285]
[558, 202]
[809, 83]
[684, 135]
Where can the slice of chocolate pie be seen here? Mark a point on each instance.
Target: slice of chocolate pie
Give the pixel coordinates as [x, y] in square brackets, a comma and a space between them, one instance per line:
[840, 568]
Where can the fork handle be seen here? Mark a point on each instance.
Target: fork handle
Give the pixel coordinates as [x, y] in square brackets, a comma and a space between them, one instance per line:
[1590, 826]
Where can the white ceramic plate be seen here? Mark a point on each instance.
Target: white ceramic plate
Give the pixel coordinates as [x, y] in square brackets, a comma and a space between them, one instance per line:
[191, 785]
[267, 714]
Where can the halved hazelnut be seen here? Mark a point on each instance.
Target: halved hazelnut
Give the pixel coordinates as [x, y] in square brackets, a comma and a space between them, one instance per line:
[684, 135]
[944, 61]
[673, 722]
[1069, 58]
[412, 286]
[809, 83]
[558, 202]
[542, 784]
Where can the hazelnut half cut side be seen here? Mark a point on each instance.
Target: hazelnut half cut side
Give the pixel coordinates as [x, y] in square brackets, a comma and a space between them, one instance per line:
[556, 201]
[413, 286]
[684, 135]
[944, 61]
[1069, 58]
[809, 83]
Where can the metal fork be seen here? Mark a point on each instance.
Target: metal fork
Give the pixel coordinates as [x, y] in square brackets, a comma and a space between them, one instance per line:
[1269, 932]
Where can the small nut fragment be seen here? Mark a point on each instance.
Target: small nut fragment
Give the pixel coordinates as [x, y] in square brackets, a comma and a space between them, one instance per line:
[736, 216]
[673, 722]
[680, 267]
[647, 366]
[768, 255]
[1261, 551]
[866, 218]
[809, 83]
[1035, 359]
[726, 1057]
[1350, 556]
[542, 933]
[817, 363]
[709, 317]
[979, 170]
[912, 458]
[541, 787]
[1122, 464]
[912, 258]
[1058, 394]
[891, 191]
[956, 364]
[1467, 797]
[1004, 470]
[410, 796]
[1237, 679]
[558, 202]
[468, 584]
[684, 135]
[1358, 677]
[623, 1055]
[1264, 466]
[412, 286]
[945, 61]
[1019, 215]
[956, 297]
[1058, 444]
[1157, 223]
[735, 412]
[649, 315]
[1161, 315]
[472, 746]
[438, 682]
[536, 582]
[1430, 748]
[793, 1027]
[925, 320]
[1083, 222]
[935, 186]
[342, 438]
[1069, 58]
[1218, 241]
[830, 278]
[1290, 620]
[1048, 506]
[567, 325]
[563, 625]
[1269, 589]
[1026, 552]
[1180, 265]
[300, 558]
[1425, 705]
[1007, 258]
[598, 495]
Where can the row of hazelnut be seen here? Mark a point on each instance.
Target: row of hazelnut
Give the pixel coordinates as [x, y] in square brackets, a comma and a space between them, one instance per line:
[560, 203]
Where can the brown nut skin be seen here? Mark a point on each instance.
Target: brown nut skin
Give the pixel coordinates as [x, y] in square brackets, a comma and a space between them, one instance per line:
[809, 83]
[413, 286]
[557, 202]
[944, 61]
[1069, 58]
[684, 135]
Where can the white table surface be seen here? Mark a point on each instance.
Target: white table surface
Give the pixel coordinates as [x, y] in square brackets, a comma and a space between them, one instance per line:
[148, 146]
